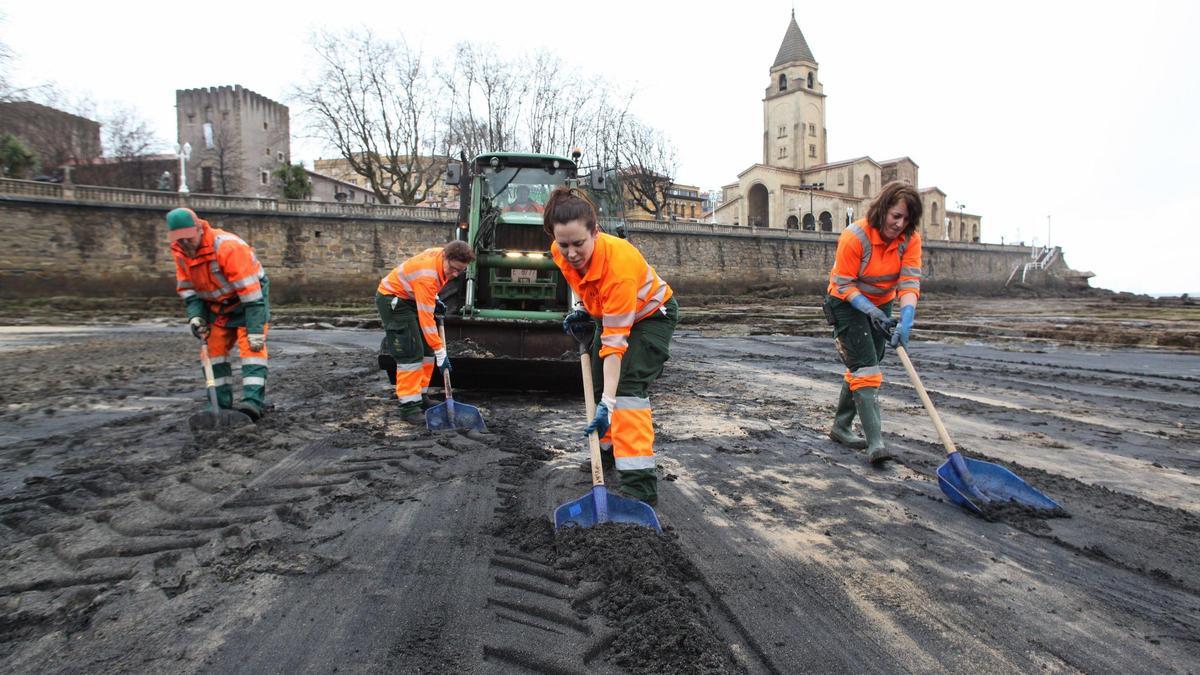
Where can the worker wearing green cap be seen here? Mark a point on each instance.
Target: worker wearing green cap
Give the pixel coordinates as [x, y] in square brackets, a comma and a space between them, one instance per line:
[224, 289]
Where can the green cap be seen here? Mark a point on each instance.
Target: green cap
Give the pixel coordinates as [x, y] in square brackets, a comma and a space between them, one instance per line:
[182, 224]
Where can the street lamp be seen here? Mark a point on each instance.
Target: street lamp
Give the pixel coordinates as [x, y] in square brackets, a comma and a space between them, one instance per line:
[960, 206]
[810, 187]
[185, 153]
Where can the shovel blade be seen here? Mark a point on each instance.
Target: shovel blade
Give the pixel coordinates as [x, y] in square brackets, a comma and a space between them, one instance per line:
[452, 415]
[217, 420]
[583, 512]
[994, 482]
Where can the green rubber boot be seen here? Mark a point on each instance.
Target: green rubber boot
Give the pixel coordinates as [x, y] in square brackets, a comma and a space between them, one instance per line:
[842, 431]
[411, 413]
[866, 400]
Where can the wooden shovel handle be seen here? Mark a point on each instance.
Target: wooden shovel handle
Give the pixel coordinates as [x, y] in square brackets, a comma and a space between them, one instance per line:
[210, 382]
[589, 402]
[446, 371]
[933, 413]
[206, 363]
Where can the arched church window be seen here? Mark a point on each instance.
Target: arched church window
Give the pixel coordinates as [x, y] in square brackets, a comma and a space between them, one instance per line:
[782, 82]
[793, 223]
[975, 233]
[826, 221]
[810, 223]
[810, 80]
[866, 186]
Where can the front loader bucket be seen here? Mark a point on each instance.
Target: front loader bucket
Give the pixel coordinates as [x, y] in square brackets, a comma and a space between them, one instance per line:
[513, 354]
[505, 354]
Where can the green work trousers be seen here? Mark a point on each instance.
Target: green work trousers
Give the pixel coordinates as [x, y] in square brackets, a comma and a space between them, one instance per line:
[860, 347]
[631, 436]
[406, 344]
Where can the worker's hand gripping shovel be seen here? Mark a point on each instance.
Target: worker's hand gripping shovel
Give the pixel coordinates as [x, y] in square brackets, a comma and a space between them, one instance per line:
[599, 505]
[452, 415]
[971, 483]
[215, 417]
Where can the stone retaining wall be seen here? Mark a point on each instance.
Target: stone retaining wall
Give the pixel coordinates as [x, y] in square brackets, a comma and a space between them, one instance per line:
[50, 245]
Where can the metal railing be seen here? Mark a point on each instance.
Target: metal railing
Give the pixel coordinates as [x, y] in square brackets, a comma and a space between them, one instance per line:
[37, 190]
[1043, 257]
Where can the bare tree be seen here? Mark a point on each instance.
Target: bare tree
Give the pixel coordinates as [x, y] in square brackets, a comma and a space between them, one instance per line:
[648, 165]
[486, 100]
[128, 139]
[218, 157]
[378, 103]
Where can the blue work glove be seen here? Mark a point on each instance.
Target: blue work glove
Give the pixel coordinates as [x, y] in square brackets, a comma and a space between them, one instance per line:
[900, 335]
[879, 320]
[603, 415]
[578, 323]
[439, 307]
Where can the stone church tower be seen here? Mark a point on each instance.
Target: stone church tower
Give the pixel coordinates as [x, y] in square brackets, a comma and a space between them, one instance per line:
[794, 135]
[797, 186]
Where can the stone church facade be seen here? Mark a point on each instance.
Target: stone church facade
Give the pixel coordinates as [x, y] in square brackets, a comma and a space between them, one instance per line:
[796, 186]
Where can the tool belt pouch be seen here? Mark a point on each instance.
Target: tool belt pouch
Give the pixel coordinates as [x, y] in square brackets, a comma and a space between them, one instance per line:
[829, 318]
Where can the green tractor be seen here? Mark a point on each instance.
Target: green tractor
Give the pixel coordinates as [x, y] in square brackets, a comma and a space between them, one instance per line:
[504, 315]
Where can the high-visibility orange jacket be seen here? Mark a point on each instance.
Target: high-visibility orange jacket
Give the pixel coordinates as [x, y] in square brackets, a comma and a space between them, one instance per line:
[620, 287]
[525, 207]
[419, 279]
[867, 265]
[225, 278]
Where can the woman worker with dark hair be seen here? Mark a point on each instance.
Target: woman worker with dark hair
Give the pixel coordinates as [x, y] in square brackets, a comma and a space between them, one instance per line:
[636, 317]
[878, 258]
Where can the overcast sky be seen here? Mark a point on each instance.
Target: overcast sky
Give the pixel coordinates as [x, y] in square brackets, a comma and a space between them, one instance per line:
[1086, 112]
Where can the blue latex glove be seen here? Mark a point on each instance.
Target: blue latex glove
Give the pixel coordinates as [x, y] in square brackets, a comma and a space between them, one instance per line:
[900, 335]
[603, 415]
[439, 307]
[879, 320]
[578, 323]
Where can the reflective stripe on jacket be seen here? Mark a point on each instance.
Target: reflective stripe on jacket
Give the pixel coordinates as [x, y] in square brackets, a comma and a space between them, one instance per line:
[419, 279]
[620, 288]
[225, 274]
[867, 265]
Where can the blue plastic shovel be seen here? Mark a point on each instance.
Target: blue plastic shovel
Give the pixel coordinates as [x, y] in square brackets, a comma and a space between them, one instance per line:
[971, 483]
[452, 415]
[599, 505]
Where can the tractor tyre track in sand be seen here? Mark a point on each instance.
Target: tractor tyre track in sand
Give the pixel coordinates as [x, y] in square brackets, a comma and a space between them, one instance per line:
[332, 536]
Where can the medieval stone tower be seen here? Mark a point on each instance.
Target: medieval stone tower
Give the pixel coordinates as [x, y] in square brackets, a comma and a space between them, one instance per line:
[238, 139]
[794, 135]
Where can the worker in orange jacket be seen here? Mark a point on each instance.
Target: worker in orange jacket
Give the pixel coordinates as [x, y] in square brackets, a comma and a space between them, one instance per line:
[524, 203]
[407, 300]
[878, 259]
[634, 315]
[225, 291]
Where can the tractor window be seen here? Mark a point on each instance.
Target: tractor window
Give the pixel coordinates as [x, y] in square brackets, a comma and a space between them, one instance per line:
[521, 189]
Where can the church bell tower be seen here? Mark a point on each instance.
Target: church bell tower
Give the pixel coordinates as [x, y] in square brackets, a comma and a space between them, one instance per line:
[794, 134]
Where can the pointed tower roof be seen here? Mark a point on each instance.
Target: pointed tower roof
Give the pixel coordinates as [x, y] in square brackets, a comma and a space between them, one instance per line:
[794, 47]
